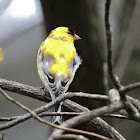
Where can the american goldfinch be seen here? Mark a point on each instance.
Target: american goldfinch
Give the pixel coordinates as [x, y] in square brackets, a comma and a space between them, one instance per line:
[57, 62]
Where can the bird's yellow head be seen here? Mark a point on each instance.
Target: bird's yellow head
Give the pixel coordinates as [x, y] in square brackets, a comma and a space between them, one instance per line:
[64, 32]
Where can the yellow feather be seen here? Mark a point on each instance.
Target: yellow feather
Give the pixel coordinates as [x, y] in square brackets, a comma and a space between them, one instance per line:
[60, 46]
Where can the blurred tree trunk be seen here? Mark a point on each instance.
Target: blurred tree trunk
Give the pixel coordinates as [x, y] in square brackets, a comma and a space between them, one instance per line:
[82, 16]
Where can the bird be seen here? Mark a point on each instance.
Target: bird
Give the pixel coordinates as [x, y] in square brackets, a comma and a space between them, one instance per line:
[57, 62]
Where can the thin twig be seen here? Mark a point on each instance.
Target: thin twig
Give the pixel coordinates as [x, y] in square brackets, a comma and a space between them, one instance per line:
[90, 95]
[113, 77]
[135, 102]
[119, 116]
[44, 114]
[130, 87]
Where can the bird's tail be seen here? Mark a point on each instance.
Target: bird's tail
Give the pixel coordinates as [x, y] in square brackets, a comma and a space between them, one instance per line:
[57, 108]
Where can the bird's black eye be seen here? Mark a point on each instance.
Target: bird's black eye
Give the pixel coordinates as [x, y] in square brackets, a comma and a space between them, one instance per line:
[70, 31]
[64, 83]
[50, 78]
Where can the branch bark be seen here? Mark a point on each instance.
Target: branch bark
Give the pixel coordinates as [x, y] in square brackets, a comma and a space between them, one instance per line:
[34, 92]
[112, 75]
[34, 114]
[23, 90]
[90, 115]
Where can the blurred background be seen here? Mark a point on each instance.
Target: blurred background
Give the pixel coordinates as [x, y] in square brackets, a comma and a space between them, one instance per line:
[24, 25]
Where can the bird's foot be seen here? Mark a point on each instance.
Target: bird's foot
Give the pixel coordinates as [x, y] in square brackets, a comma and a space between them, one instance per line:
[42, 87]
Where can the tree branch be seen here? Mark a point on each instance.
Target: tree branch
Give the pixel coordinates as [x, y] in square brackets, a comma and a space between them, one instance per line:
[116, 82]
[37, 94]
[97, 122]
[120, 116]
[40, 94]
[25, 90]
[113, 77]
[46, 122]
[87, 116]
[130, 87]
[43, 114]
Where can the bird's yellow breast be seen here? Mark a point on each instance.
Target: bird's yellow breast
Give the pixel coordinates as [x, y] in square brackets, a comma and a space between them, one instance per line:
[63, 52]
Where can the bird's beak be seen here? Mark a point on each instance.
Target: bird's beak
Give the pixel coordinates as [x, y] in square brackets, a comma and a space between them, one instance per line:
[76, 37]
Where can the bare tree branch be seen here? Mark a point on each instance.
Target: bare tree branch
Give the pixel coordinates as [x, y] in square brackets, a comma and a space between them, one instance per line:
[44, 114]
[25, 90]
[8, 118]
[38, 110]
[135, 102]
[28, 115]
[46, 122]
[40, 94]
[87, 116]
[116, 82]
[113, 77]
[122, 117]
[114, 96]
[97, 122]
[130, 87]
[90, 95]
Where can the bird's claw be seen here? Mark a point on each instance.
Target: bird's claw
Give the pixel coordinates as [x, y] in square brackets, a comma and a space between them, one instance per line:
[42, 87]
